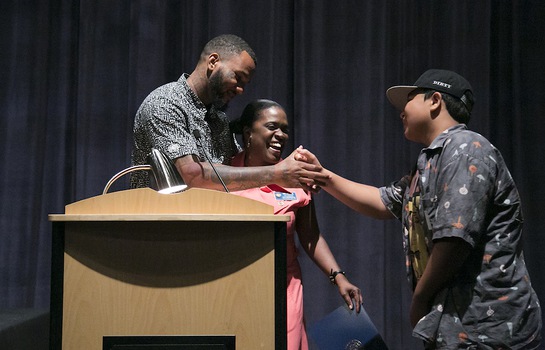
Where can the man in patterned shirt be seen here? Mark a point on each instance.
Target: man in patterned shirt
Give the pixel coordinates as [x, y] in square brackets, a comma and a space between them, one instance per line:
[462, 224]
[170, 115]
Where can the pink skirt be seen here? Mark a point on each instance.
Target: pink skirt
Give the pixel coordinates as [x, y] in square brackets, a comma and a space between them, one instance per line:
[297, 335]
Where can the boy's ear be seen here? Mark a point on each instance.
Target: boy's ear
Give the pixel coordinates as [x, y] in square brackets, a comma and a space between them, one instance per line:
[436, 99]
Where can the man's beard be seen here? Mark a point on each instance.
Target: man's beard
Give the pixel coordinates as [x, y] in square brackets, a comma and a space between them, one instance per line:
[216, 85]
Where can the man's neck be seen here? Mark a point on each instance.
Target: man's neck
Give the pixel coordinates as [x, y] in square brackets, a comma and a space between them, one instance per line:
[197, 82]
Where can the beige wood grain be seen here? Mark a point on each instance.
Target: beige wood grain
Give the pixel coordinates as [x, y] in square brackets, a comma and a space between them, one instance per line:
[128, 279]
[137, 262]
[168, 217]
[148, 201]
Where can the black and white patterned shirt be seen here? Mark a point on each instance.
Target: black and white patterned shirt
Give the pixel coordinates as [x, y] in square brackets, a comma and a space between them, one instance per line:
[166, 120]
[466, 191]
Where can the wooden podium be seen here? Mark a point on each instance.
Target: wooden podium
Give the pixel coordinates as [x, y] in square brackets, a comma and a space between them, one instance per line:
[137, 269]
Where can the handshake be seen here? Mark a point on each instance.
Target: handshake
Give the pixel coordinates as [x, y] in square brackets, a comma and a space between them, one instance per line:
[302, 169]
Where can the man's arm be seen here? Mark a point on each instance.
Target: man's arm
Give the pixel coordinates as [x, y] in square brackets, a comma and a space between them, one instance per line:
[287, 173]
[446, 258]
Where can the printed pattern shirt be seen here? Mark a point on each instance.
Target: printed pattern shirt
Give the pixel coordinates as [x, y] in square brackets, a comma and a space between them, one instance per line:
[166, 120]
[466, 191]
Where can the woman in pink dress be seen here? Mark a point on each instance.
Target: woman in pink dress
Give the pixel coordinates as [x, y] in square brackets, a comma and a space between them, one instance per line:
[264, 128]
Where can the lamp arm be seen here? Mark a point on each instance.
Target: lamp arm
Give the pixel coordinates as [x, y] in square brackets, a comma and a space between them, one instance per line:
[123, 172]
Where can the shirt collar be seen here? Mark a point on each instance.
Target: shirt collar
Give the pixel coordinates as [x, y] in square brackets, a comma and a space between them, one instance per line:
[273, 188]
[440, 140]
[190, 93]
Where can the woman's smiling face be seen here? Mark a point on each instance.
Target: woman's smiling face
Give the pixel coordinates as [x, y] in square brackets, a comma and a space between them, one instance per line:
[267, 137]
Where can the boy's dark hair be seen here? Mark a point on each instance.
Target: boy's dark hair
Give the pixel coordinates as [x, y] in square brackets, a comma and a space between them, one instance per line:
[228, 45]
[455, 107]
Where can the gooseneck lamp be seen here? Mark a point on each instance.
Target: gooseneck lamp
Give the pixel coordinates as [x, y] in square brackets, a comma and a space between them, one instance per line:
[166, 176]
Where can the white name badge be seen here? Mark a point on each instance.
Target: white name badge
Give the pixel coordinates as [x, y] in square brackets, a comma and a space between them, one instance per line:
[282, 196]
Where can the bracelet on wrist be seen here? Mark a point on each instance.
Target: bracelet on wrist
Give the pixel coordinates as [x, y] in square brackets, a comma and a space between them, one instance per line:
[334, 274]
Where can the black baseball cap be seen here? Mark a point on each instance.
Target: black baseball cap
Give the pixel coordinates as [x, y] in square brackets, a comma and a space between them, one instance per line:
[436, 79]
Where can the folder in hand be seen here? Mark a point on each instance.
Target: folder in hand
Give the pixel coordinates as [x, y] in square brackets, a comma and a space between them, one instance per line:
[344, 329]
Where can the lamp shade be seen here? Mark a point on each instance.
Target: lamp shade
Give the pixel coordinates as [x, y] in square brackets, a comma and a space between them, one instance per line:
[166, 176]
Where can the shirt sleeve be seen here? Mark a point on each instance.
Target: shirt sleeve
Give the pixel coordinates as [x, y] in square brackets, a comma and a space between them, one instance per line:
[392, 195]
[169, 130]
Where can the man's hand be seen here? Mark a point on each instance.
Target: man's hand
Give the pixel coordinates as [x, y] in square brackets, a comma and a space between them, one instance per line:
[287, 173]
[294, 171]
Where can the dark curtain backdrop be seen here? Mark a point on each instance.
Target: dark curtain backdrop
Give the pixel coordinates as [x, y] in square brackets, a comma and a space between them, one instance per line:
[74, 73]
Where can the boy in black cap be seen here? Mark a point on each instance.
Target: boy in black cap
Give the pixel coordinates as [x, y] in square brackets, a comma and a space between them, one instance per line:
[462, 223]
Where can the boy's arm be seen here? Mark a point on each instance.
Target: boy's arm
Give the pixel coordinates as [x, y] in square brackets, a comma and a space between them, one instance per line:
[446, 258]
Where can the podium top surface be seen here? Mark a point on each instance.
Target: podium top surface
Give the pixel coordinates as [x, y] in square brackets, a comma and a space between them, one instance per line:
[145, 204]
[168, 217]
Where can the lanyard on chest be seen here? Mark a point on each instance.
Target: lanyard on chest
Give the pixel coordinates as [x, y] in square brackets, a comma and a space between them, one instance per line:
[418, 249]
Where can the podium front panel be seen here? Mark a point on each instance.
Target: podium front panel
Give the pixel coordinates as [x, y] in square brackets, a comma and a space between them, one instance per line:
[168, 278]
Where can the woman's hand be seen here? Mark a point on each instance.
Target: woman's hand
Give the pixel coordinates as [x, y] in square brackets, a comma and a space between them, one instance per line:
[349, 292]
[292, 172]
[304, 155]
